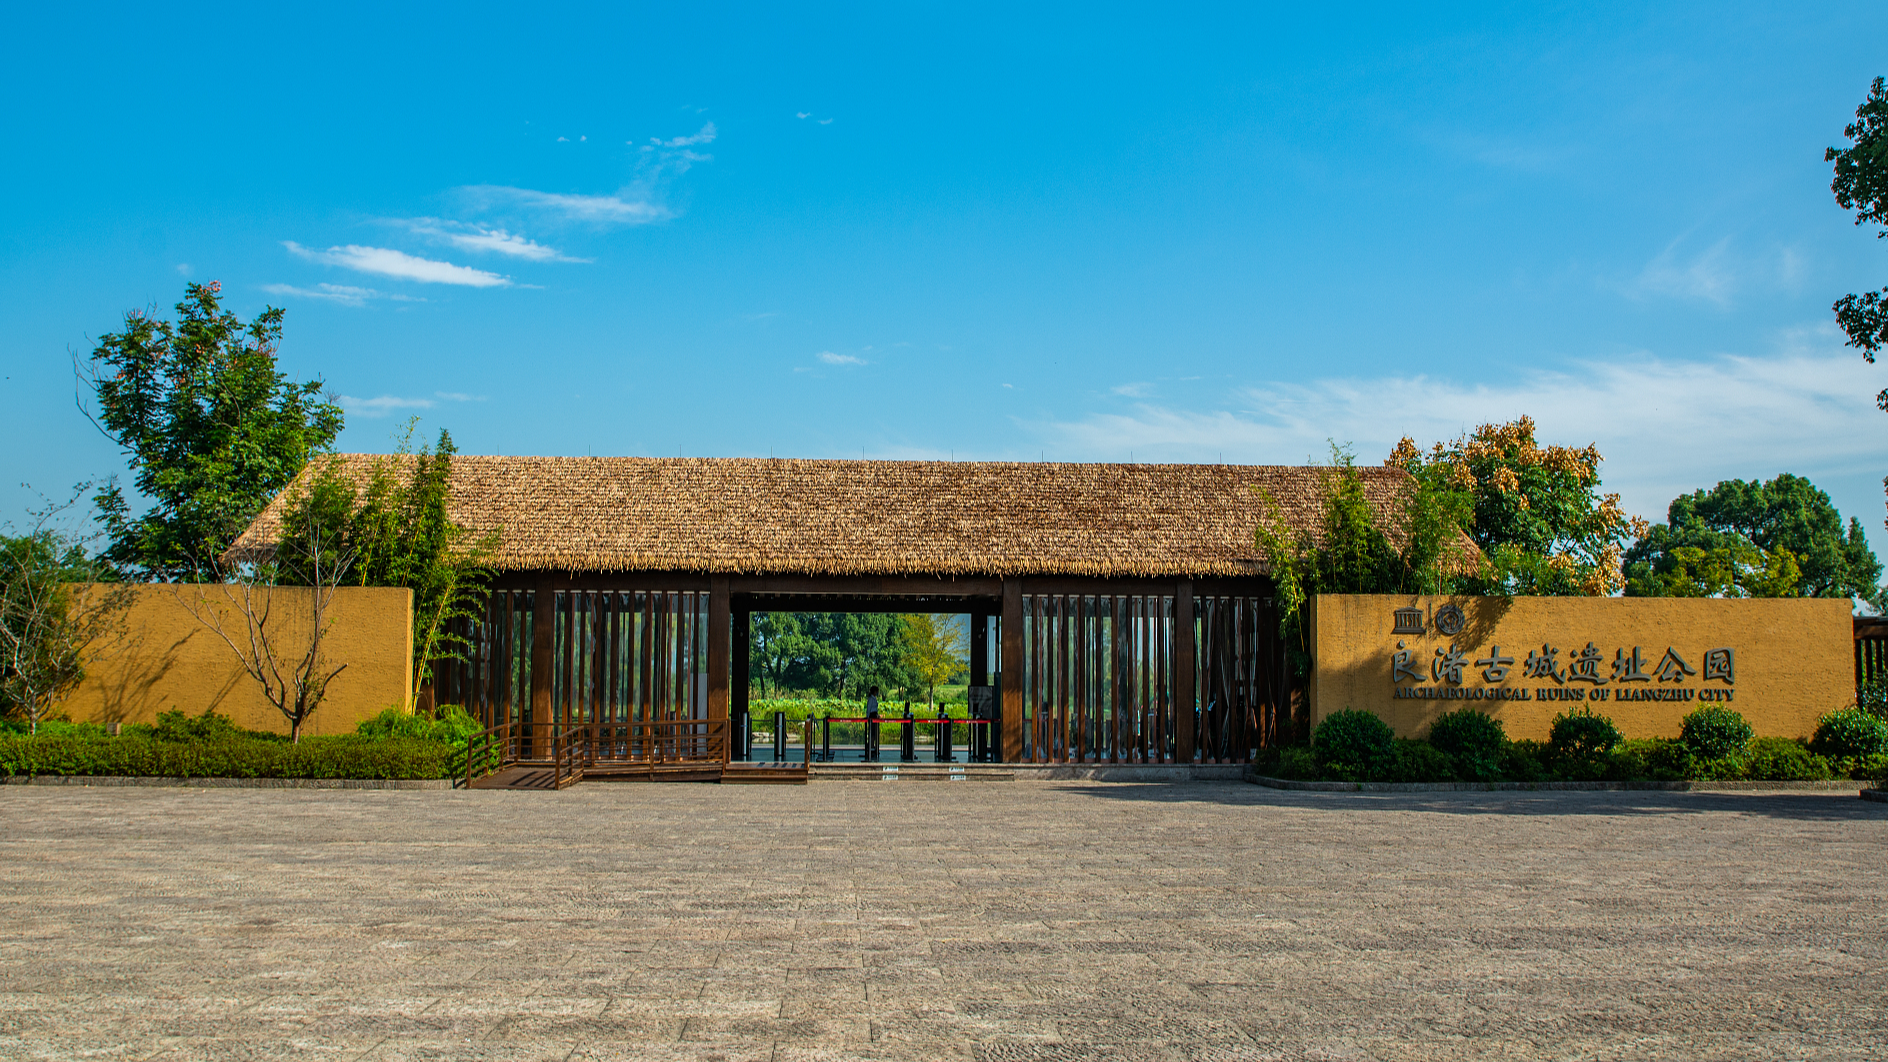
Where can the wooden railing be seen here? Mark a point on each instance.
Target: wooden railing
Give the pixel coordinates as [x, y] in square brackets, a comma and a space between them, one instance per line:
[667, 741]
[569, 754]
[491, 750]
[565, 749]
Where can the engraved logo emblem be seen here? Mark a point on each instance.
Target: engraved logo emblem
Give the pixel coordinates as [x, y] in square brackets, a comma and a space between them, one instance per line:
[1408, 621]
[1449, 620]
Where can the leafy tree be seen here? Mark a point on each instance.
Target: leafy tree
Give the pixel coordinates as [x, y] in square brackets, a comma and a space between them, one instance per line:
[1357, 550]
[396, 531]
[1535, 511]
[1783, 538]
[868, 650]
[211, 427]
[50, 620]
[1734, 568]
[934, 650]
[783, 655]
[836, 654]
[1861, 185]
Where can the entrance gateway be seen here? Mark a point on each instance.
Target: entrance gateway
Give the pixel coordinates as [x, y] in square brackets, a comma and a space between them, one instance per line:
[1117, 610]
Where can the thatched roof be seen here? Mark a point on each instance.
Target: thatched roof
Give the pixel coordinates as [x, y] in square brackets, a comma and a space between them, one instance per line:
[754, 516]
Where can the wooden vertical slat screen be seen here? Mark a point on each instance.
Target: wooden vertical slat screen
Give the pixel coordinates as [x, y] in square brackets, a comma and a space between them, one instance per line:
[1100, 672]
[1871, 650]
[618, 657]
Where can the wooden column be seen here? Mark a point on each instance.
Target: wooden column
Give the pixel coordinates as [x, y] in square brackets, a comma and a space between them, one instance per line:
[1012, 670]
[980, 650]
[742, 682]
[720, 634]
[1183, 691]
[543, 652]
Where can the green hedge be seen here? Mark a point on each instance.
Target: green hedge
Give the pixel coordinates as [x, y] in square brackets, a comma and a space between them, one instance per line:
[348, 756]
[1717, 746]
[761, 719]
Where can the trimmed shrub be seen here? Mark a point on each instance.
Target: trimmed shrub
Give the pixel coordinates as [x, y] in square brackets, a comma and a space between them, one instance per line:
[1776, 759]
[1581, 742]
[1352, 742]
[1715, 733]
[174, 725]
[452, 724]
[1415, 761]
[1473, 740]
[1625, 763]
[1668, 760]
[1851, 733]
[1297, 763]
[1524, 761]
[59, 727]
[1875, 768]
[346, 756]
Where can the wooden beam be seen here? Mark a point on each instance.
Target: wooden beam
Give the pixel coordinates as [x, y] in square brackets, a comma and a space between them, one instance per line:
[720, 634]
[858, 604]
[914, 585]
[1183, 692]
[1011, 663]
[676, 582]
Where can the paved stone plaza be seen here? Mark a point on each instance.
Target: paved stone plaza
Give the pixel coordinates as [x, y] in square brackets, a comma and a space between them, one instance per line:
[1013, 920]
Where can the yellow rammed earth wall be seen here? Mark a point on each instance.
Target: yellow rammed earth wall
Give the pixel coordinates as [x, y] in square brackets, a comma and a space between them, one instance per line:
[168, 658]
[1790, 660]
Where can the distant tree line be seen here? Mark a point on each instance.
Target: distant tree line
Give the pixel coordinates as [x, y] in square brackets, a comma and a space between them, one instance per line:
[843, 655]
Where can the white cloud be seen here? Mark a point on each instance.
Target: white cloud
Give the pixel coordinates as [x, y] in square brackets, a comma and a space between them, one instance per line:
[341, 293]
[1719, 274]
[1666, 427]
[1710, 275]
[480, 239]
[639, 202]
[1132, 390]
[803, 114]
[385, 404]
[705, 136]
[830, 358]
[380, 407]
[388, 262]
[600, 209]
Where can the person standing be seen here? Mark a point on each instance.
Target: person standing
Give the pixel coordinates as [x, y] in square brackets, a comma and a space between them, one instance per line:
[871, 725]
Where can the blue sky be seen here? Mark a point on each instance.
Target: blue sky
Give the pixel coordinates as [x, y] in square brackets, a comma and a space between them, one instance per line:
[1082, 233]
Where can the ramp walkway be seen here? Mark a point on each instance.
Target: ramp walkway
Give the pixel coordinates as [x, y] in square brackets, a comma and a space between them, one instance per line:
[556, 756]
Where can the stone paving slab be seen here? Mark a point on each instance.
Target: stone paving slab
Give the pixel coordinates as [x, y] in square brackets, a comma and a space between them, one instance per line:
[1029, 921]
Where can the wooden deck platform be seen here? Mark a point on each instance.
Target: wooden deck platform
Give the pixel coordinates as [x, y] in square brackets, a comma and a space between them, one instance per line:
[764, 774]
[518, 776]
[541, 776]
